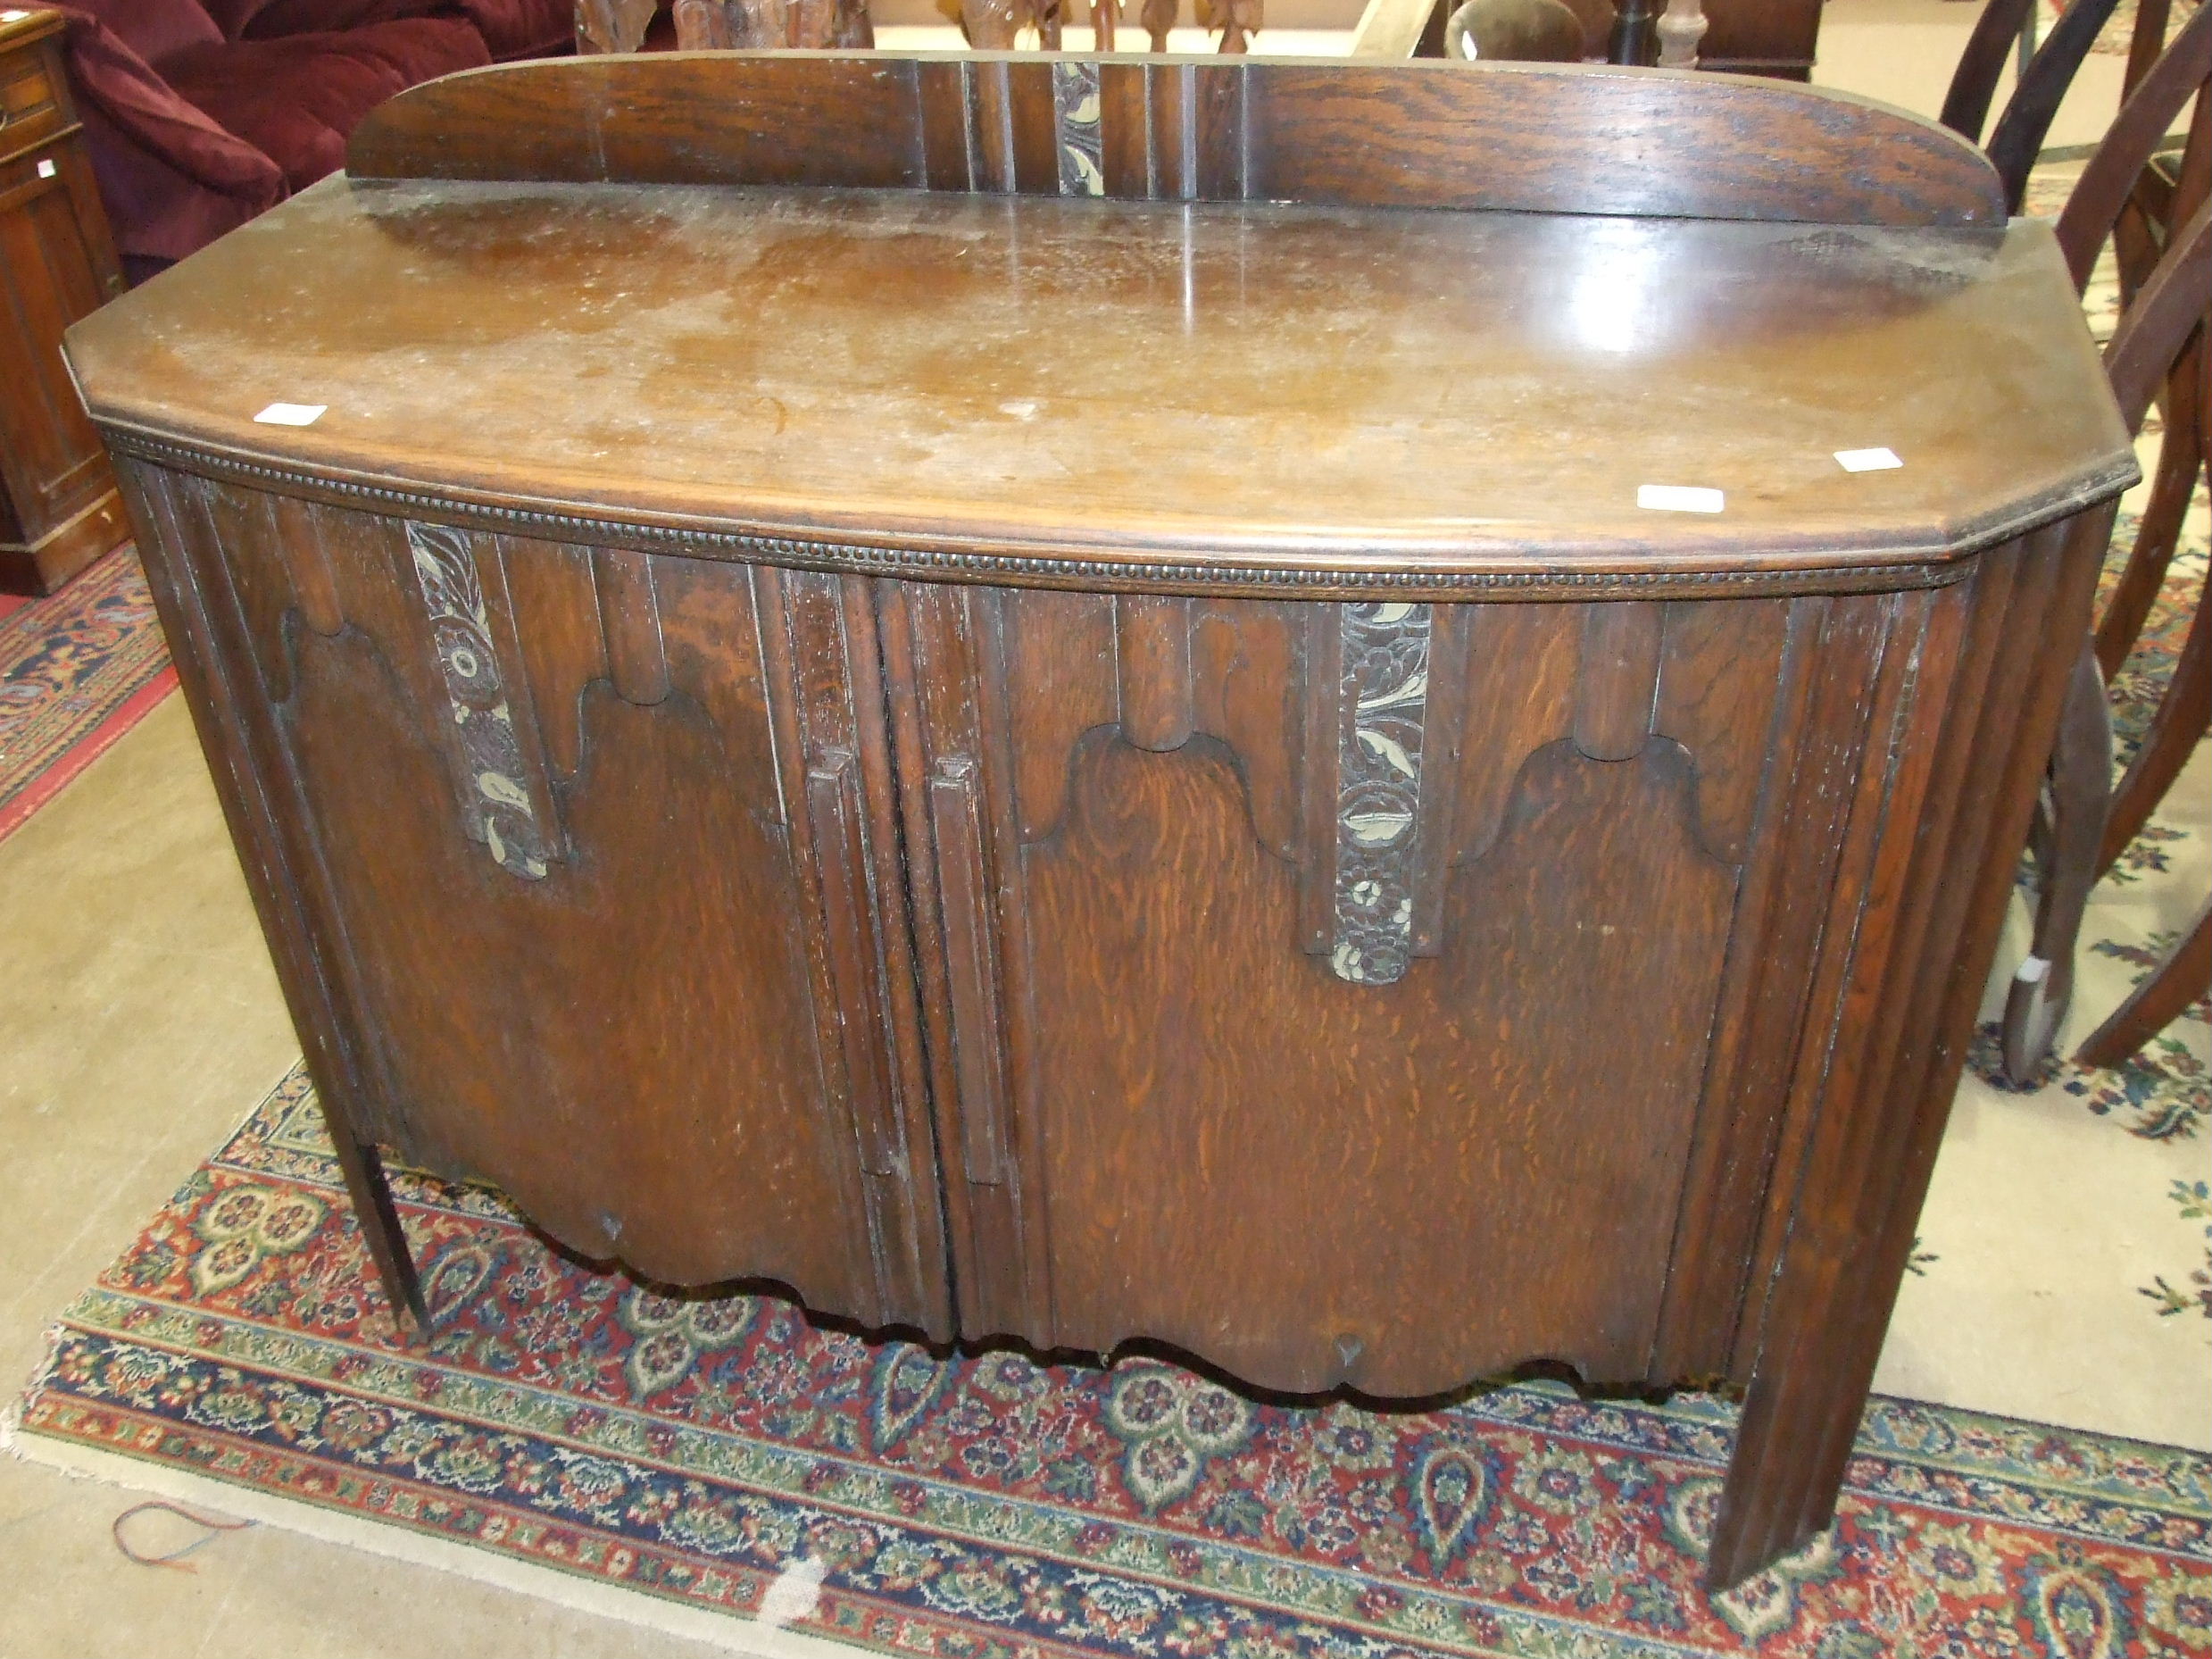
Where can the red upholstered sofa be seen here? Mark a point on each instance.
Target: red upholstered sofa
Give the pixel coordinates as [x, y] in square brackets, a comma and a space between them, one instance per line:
[201, 113]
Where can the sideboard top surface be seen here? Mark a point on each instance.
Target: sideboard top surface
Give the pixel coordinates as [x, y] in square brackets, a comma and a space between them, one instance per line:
[1269, 385]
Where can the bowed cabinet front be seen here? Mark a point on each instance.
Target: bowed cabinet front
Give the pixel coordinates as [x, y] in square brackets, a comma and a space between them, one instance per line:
[824, 709]
[1265, 976]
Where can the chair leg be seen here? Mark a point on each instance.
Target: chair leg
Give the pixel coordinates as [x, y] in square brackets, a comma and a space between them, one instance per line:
[2078, 790]
[2180, 457]
[2184, 714]
[2185, 975]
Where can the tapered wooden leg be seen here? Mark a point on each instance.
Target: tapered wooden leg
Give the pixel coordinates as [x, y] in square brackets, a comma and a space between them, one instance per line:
[2183, 715]
[1985, 735]
[2079, 792]
[2185, 975]
[183, 570]
[378, 1219]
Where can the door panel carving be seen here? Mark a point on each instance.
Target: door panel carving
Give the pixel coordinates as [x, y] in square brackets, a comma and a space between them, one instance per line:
[1320, 847]
[531, 769]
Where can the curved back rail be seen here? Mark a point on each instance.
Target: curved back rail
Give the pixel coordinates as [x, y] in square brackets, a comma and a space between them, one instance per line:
[2019, 136]
[2034, 103]
[1973, 81]
[1536, 138]
[2182, 72]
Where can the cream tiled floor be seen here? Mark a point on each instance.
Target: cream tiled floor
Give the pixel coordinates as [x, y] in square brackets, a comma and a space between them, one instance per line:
[139, 1020]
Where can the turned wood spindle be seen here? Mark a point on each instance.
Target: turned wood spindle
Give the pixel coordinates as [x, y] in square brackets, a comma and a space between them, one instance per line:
[1238, 22]
[1680, 29]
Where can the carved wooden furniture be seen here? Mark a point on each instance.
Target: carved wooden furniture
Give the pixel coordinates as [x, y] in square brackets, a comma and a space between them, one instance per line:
[1680, 27]
[1148, 767]
[2045, 79]
[58, 506]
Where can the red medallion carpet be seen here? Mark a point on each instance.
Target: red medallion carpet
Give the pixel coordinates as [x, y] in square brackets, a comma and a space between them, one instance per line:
[726, 1455]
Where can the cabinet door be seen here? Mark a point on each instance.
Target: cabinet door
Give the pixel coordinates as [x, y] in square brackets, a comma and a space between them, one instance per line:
[52, 457]
[597, 848]
[1333, 990]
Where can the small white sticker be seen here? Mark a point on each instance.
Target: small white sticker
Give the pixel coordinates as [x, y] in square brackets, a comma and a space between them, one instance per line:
[1868, 460]
[291, 414]
[2032, 971]
[45, 169]
[1678, 498]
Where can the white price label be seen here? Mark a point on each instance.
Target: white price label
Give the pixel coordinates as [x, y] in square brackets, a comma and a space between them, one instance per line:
[291, 414]
[1678, 498]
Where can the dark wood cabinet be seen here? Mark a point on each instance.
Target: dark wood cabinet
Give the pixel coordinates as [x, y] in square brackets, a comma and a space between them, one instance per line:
[1779, 38]
[1138, 767]
[58, 506]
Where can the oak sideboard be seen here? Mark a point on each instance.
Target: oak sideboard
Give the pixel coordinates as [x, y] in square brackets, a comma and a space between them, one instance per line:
[1240, 704]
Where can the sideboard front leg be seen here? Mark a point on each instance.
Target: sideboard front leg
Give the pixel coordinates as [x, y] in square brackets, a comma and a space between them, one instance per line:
[1787, 1469]
[380, 1230]
[185, 571]
[1967, 764]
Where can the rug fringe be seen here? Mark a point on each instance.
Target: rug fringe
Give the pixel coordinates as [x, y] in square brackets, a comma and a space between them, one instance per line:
[11, 1412]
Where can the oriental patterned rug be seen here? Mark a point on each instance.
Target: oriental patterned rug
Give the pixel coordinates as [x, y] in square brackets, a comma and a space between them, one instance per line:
[713, 1454]
[78, 669]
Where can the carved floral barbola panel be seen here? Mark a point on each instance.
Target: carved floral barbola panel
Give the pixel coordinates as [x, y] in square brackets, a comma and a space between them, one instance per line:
[1378, 789]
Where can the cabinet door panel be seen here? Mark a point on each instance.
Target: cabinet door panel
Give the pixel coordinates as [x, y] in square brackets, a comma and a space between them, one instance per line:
[1353, 1026]
[1249, 1156]
[593, 909]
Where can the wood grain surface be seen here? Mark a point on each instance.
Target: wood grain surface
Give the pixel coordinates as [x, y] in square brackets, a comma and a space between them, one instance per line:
[1533, 138]
[1074, 392]
[618, 1121]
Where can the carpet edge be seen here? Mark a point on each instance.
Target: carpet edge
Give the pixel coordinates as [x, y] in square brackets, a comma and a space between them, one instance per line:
[75, 761]
[623, 1604]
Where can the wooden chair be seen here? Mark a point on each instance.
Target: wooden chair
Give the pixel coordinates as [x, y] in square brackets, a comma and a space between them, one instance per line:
[2183, 280]
[2044, 83]
[2081, 827]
